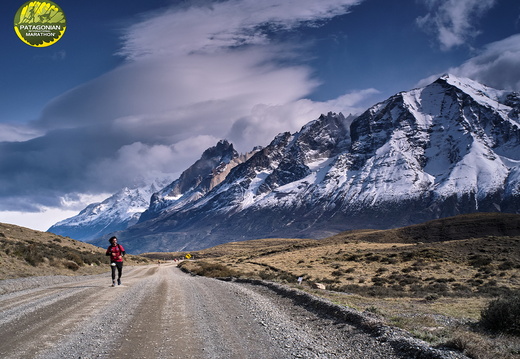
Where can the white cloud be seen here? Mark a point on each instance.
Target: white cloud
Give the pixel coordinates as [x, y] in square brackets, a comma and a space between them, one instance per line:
[213, 26]
[17, 132]
[46, 216]
[497, 65]
[266, 120]
[40, 221]
[193, 75]
[138, 163]
[188, 77]
[452, 21]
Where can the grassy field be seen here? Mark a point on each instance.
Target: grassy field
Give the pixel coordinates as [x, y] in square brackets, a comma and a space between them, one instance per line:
[433, 280]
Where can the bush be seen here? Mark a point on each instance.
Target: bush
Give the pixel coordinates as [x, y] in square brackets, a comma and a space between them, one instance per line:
[71, 265]
[503, 314]
[214, 270]
[479, 261]
[506, 265]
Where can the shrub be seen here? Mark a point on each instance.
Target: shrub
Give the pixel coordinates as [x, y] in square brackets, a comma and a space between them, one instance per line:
[382, 270]
[72, 256]
[479, 261]
[288, 277]
[353, 257]
[215, 270]
[267, 274]
[506, 265]
[71, 265]
[431, 297]
[379, 281]
[503, 314]
[337, 273]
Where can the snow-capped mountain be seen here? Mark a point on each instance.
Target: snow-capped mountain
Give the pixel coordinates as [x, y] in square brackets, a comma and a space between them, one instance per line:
[201, 177]
[115, 213]
[448, 148]
[129, 205]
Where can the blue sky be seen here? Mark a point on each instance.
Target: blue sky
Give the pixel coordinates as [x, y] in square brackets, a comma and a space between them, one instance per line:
[138, 89]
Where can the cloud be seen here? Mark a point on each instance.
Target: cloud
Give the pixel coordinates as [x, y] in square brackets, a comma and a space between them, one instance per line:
[40, 221]
[193, 74]
[214, 26]
[45, 217]
[148, 163]
[17, 132]
[497, 65]
[452, 21]
[265, 120]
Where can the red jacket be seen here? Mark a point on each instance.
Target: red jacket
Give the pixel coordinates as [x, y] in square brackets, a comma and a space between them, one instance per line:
[116, 253]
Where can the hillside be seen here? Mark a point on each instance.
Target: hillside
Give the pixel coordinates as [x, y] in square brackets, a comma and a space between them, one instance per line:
[25, 252]
[485, 246]
[464, 226]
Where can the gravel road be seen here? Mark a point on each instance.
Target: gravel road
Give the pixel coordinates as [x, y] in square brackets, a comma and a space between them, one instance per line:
[161, 312]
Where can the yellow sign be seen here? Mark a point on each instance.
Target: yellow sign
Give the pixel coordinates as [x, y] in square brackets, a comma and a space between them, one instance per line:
[187, 256]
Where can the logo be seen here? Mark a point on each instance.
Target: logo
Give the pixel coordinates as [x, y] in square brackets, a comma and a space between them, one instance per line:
[40, 23]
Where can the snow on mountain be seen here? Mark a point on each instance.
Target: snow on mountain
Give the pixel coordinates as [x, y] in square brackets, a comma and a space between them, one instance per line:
[207, 172]
[451, 147]
[130, 205]
[115, 213]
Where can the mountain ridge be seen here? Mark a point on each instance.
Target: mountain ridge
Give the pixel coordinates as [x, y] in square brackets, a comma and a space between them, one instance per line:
[448, 148]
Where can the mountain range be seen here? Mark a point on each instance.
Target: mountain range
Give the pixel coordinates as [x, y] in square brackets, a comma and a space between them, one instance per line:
[448, 148]
[119, 211]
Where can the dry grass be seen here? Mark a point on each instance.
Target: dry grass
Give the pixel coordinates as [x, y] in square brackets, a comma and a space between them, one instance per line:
[25, 252]
[435, 288]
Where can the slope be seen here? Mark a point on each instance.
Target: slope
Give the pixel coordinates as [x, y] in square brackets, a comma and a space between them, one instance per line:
[25, 252]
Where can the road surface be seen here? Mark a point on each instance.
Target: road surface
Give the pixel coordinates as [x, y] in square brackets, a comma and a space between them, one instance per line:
[161, 312]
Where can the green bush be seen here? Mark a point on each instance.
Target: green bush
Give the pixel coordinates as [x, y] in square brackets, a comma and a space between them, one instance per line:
[503, 314]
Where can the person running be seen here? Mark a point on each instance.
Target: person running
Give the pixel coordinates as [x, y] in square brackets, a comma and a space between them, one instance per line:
[116, 253]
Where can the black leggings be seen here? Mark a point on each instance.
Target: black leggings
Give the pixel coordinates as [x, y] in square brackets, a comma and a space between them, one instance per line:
[119, 266]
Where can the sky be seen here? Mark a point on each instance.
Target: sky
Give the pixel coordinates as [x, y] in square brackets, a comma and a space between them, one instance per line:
[137, 90]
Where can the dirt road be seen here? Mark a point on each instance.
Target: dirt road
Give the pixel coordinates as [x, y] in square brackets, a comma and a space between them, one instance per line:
[160, 312]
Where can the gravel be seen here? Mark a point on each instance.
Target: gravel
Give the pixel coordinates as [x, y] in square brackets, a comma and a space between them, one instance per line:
[161, 312]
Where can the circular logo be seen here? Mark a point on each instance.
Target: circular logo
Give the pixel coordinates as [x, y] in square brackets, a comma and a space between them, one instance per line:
[40, 23]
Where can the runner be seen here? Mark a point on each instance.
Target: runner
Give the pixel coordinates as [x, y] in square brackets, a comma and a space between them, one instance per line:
[116, 253]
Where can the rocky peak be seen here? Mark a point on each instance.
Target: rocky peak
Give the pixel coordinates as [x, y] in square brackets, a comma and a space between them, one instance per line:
[198, 179]
[223, 151]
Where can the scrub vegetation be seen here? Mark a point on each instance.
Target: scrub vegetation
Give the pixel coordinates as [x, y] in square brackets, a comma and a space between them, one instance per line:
[25, 252]
[453, 282]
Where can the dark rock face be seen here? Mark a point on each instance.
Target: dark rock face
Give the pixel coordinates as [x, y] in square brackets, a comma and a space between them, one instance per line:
[194, 182]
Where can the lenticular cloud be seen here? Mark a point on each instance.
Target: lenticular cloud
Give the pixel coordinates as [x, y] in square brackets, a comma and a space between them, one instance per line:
[191, 73]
